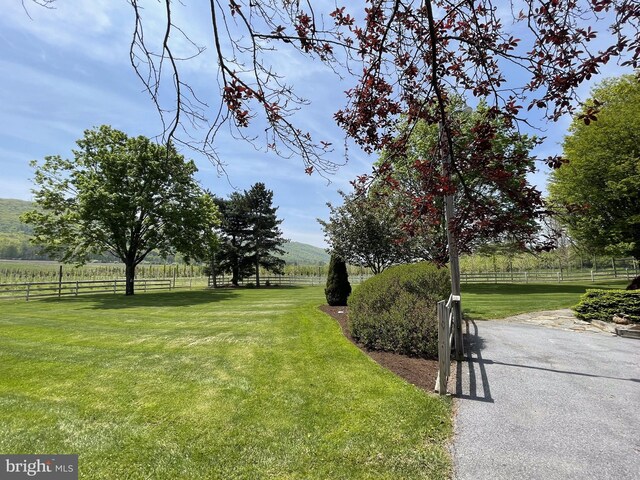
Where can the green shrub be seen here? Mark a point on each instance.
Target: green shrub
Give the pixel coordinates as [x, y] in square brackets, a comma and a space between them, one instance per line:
[604, 304]
[249, 285]
[396, 310]
[338, 287]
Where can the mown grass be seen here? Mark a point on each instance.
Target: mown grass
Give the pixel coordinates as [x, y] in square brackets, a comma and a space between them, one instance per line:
[485, 301]
[228, 384]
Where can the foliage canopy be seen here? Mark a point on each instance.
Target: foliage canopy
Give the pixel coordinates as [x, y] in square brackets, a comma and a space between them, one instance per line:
[124, 195]
[250, 236]
[597, 192]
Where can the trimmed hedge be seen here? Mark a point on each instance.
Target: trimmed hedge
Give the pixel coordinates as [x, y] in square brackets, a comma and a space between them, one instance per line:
[604, 304]
[338, 287]
[396, 310]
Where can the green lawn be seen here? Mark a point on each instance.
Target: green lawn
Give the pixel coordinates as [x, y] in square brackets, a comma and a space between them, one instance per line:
[485, 301]
[246, 384]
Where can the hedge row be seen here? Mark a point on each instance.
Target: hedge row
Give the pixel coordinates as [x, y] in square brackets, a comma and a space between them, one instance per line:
[604, 304]
[396, 310]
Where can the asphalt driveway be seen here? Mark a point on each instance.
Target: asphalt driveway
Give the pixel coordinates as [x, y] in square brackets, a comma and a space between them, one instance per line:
[542, 403]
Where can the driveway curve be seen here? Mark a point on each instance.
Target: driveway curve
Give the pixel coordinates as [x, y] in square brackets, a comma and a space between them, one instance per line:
[535, 402]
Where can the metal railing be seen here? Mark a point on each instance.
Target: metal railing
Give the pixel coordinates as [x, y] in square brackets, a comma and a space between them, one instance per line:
[447, 339]
[34, 290]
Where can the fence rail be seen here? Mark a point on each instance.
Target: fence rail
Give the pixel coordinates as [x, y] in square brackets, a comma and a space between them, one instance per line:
[34, 290]
[549, 276]
[284, 280]
[446, 341]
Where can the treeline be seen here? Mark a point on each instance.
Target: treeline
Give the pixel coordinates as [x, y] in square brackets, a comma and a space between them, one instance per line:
[16, 246]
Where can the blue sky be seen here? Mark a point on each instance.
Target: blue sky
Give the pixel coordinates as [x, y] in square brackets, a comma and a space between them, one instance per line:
[67, 69]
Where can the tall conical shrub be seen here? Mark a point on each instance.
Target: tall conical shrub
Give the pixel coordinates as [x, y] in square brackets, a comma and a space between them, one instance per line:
[338, 287]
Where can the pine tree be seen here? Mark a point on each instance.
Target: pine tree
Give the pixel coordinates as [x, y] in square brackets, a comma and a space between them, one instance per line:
[265, 236]
[234, 249]
[338, 287]
[249, 235]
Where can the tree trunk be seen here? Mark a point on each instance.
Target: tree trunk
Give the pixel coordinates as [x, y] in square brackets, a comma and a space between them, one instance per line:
[235, 275]
[257, 271]
[213, 271]
[129, 278]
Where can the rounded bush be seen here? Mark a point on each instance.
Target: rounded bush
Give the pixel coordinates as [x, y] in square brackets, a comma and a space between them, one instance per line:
[396, 310]
[604, 304]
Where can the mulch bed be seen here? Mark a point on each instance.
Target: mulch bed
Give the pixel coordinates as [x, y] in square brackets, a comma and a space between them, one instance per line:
[418, 371]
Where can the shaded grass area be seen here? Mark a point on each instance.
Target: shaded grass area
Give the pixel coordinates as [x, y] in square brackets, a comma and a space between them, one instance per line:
[485, 301]
[229, 384]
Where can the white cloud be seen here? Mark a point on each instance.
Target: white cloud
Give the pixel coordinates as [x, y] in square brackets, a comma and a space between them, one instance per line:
[97, 28]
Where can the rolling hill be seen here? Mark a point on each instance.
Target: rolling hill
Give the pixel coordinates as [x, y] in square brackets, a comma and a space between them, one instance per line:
[10, 211]
[304, 254]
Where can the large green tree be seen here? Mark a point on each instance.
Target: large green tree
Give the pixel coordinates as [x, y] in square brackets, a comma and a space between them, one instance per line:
[233, 251]
[123, 195]
[597, 192]
[265, 236]
[365, 231]
[249, 235]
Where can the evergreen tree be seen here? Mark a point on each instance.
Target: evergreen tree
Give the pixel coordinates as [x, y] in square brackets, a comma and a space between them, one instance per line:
[338, 287]
[265, 237]
[233, 252]
[249, 235]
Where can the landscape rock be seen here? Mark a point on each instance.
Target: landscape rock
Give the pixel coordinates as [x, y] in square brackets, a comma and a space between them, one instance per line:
[605, 326]
[621, 319]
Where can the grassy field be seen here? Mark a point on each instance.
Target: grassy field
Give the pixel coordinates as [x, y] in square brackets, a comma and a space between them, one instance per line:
[228, 384]
[489, 301]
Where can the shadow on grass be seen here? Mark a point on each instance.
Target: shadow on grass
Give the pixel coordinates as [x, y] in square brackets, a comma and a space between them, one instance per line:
[176, 298]
[271, 287]
[523, 289]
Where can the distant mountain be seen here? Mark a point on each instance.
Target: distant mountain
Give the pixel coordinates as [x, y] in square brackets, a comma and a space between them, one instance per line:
[304, 254]
[10, 211]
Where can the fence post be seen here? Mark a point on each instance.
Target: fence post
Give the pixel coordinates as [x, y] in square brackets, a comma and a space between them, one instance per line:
[626, 272]
[526, 277]
[60, 281]
[115, 287]
[28, 290]
[444, 350]
[77, 287]
[592, 277]
[558, 274]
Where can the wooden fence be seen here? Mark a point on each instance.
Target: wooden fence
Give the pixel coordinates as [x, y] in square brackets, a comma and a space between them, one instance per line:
[284, 280]
[33, 290]
[548, 276]
[446, 341]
